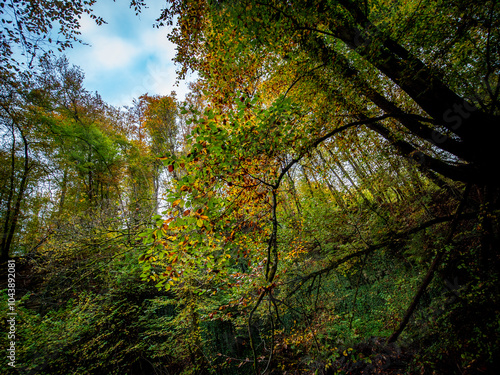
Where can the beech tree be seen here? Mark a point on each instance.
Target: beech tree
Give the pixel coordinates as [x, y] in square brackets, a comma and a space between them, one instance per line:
[286, 86]
[451, 107]
[329, 203]
[17, 166]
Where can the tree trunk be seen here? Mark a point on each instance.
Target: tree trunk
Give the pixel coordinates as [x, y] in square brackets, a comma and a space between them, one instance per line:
[63, 192]
[10, 227]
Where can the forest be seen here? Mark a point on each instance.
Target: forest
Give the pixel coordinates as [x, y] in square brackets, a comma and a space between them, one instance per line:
[325, 200]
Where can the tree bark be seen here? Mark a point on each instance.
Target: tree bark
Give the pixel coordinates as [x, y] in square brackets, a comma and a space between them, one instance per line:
[10, 227]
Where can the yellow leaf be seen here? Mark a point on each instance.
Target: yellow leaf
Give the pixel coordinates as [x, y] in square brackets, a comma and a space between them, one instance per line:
[199, 223]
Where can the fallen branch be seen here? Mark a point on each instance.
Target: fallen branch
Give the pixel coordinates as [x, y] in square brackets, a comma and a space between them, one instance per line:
[430, 273]
[371, 248]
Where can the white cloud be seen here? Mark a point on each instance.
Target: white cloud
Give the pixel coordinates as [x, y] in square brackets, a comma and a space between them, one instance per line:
[127, 56]
[87, 25]
[112, 52]
[156, 40]
[156, 79]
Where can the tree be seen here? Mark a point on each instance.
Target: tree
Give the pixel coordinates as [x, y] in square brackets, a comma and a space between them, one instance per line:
[62, 137]
[350, 48]
[286, 86]
[17, 169]
[157, 123]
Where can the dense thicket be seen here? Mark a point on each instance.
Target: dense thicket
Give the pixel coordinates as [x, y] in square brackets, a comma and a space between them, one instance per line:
[323, 202]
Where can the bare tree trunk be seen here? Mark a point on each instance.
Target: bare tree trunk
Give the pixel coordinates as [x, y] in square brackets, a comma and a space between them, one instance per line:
[64, 188]
[10, 225]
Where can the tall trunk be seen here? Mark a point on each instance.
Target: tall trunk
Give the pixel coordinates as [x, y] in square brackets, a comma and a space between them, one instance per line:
[336, 196]
[90, 187]
[308, 182]
[339, 65]
[294, 193]
[90, 178]
[10, 228]
[472, 125]
[156, 188]
[63, 192]
[4, 250]
[341, 181]
[475, 143]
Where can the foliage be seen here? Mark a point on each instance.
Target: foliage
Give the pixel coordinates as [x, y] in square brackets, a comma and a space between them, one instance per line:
[321, 203]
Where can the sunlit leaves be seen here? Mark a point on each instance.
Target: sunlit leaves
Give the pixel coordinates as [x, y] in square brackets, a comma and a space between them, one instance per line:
[221, 190]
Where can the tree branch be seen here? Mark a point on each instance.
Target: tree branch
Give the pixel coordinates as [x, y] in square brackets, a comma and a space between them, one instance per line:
[430, 273]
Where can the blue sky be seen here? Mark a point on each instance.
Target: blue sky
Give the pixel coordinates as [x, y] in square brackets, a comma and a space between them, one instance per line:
[127, 57]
